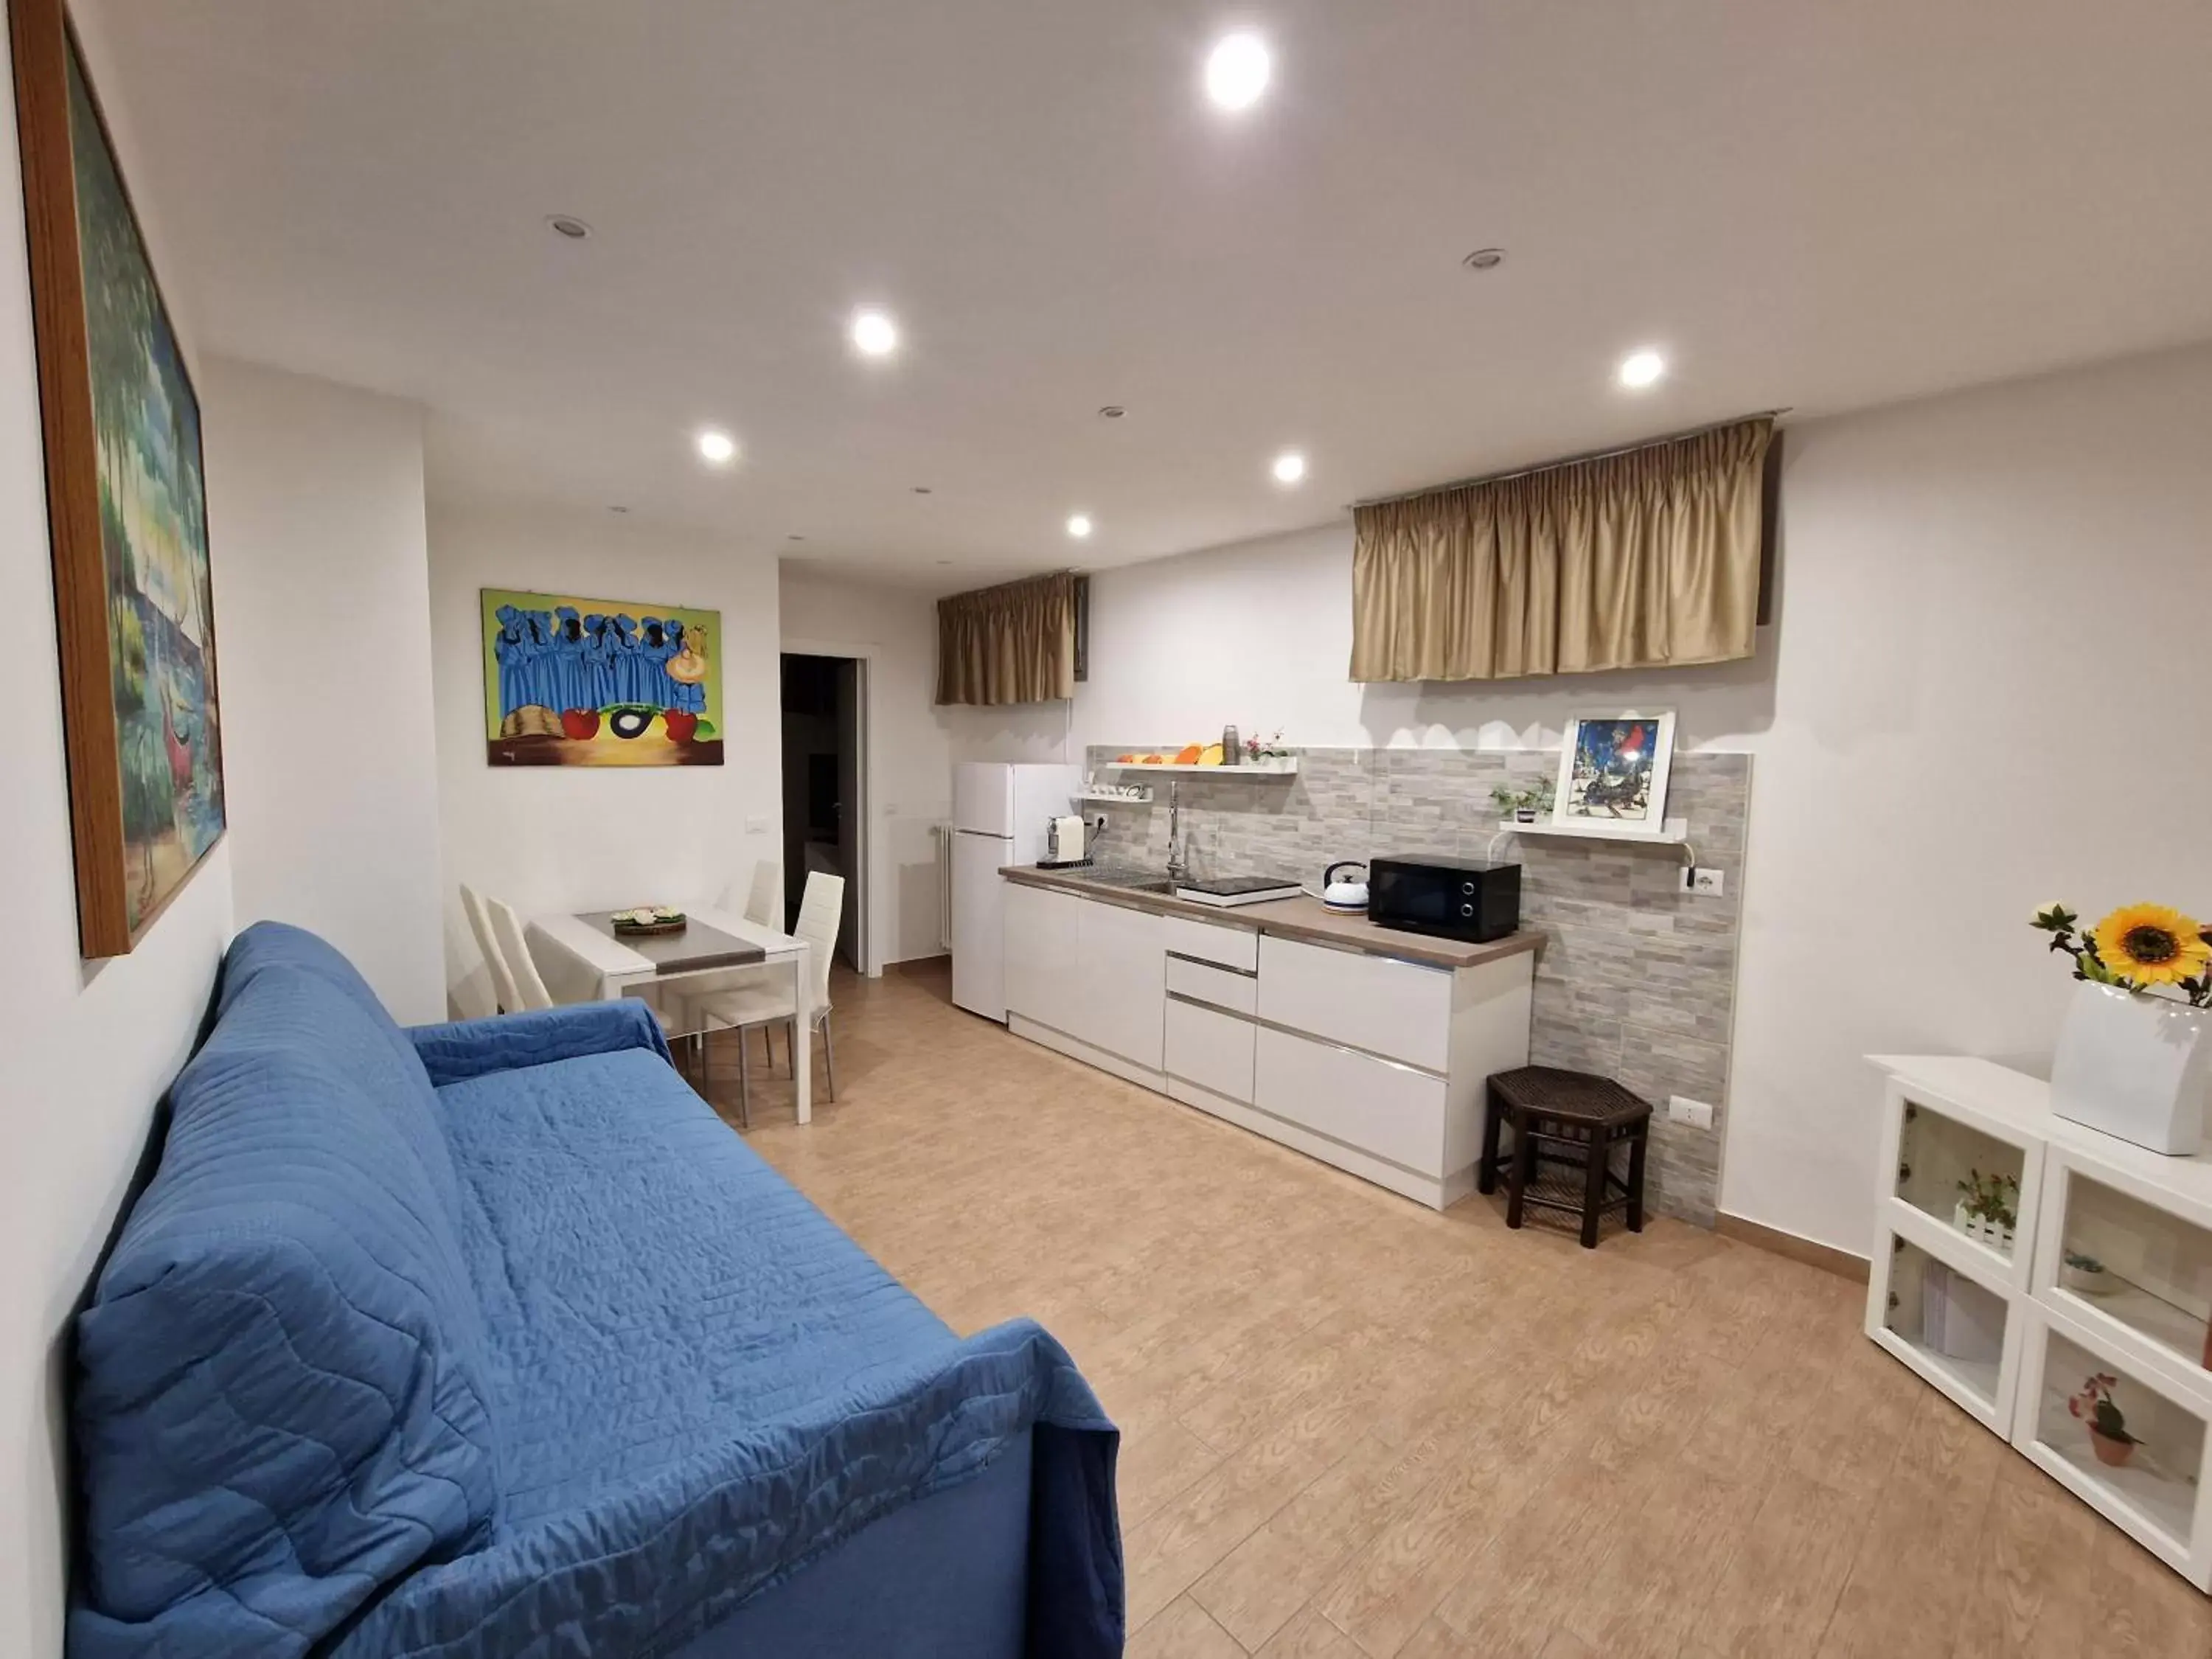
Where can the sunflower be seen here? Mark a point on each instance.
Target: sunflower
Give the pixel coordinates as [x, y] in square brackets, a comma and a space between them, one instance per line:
[2151, 945]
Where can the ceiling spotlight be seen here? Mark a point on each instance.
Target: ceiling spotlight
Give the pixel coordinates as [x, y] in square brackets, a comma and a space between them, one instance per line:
[922, 489]
[1237, 71]
[794, 538]
[717, 448]
[1112, 412]
[618, 510]
[1485, 258]
[568, 225]
[874, 334]
[1640, 369]
[1079, 525]
[1290, 467]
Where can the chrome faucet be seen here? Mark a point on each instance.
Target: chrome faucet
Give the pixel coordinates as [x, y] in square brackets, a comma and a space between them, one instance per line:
[1175, 866]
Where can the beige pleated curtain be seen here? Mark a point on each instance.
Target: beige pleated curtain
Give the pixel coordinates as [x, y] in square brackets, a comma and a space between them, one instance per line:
[1646, 559]
[1014, 643]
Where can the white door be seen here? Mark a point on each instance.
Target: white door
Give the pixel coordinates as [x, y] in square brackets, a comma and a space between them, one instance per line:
[979, 977]
[983, 798]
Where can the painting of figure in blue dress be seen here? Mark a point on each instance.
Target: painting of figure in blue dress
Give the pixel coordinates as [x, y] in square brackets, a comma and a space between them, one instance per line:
[577, 682]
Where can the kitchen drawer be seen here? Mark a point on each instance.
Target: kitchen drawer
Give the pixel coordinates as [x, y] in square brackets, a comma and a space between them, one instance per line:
[1239, 992]
[1385, 1007]
[1210, 941]
[1390, 1111]
[1213, 1050]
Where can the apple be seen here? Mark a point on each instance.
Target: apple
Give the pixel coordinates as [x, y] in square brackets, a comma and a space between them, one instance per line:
[580, 723]
[681, 724]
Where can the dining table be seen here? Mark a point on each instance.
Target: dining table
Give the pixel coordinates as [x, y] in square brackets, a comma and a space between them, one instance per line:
[583, 958]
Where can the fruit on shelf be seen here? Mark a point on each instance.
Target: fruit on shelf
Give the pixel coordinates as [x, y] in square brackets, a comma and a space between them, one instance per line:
[1187, 754]
[1210, 756]
[1125, 760]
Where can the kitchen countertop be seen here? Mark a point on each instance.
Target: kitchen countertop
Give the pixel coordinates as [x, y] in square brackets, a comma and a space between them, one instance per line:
[1306, 920]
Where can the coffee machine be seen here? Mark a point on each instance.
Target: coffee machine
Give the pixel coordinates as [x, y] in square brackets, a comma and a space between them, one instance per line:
[1063, 840]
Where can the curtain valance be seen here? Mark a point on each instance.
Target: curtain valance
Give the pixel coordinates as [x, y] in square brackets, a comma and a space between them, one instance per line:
[1650, 558]
[1014, 643]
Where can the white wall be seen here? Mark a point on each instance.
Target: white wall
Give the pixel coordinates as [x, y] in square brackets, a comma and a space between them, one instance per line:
[573, 838]
[1979, 697]
[323, 596]
[87, 1050]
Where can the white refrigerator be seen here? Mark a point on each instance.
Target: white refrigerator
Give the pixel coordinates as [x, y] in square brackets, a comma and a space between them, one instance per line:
[998, 815]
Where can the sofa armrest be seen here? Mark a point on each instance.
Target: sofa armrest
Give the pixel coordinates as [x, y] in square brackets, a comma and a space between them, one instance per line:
[472, 1048]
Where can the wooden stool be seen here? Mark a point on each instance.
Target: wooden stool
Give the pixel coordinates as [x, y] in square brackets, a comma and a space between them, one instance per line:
[1585, 1115]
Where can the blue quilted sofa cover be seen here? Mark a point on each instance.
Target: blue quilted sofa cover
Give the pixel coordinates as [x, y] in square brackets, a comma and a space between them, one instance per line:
[491, 1339]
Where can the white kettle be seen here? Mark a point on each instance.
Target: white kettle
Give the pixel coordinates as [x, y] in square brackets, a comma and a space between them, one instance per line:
[1344, 895]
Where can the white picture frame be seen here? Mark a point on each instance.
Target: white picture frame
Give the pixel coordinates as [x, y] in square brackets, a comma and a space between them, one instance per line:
[1631, 799]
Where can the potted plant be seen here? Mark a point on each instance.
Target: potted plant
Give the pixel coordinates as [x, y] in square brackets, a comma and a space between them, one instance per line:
[2084, 1275]
[1267, 753]
[1523, 806]
[1988, 1208]
[2134, 1058]
[2108, 1428]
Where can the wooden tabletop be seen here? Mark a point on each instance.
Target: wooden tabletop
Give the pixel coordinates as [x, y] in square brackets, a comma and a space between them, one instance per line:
[695, 946]
[1306, 920]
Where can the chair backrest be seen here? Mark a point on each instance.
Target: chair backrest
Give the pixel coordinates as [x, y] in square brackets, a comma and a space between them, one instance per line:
[820, 910]
[502, 982]
[507, 928]
[760, 903]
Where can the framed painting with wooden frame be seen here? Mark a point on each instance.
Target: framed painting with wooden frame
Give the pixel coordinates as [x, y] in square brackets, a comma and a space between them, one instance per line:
[125, 507]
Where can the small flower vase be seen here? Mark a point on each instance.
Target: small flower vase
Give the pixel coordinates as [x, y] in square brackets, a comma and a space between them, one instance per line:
[2134, 1065]
[1524, 814]
[1968, 1224]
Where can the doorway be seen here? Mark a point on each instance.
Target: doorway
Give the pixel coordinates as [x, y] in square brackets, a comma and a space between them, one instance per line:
[824, 815]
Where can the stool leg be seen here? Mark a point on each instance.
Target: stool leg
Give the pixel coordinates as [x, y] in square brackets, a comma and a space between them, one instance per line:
[1524, 1166]
[1636, 1181]
[1486, 1173]
[1594, 1161]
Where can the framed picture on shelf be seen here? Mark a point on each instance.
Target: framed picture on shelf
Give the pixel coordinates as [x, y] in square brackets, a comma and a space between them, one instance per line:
[126, 512]
[1613, 772]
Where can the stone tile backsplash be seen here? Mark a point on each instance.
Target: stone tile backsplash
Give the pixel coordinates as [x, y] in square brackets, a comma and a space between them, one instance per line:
[1636, 978]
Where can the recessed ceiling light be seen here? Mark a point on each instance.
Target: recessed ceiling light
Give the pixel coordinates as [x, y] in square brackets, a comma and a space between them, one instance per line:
[1640, 369]
[1290, 467]
[874, 334]
[1112, 412]
[568, 225]
[1079, 525]
[794, 539]
[944, 561]
[1485, 258]
[717, 448]
[923, 489]
[1237, 71]
[618, 510]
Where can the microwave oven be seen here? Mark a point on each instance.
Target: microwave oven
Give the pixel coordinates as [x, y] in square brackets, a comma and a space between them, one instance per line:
[1455, 898]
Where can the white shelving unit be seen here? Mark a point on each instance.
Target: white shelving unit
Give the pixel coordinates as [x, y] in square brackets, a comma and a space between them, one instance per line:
[1256, 774]
[1674, 833]
[2012, 1336]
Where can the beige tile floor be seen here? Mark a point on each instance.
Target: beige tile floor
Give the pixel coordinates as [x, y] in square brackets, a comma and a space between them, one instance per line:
[1354, 1427]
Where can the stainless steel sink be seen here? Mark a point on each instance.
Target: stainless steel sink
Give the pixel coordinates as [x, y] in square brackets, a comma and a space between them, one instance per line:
[1128, 880]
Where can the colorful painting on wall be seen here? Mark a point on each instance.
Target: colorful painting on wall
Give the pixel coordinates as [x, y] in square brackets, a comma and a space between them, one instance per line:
[1613, 772]
[126, 511]
[577, 682]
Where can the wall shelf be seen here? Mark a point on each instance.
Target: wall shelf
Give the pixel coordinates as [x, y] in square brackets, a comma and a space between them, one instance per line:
[1675, 832]
[1256, 772]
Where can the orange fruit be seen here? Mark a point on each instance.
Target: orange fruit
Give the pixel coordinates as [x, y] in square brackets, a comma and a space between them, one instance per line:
[1187, 756]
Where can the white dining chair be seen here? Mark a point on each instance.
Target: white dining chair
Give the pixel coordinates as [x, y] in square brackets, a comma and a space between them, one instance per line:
[503, 989]
[506, 929]
[762, 1007]
[760, 902]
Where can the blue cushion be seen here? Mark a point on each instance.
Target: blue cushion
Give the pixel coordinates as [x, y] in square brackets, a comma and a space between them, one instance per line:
[282, 1395]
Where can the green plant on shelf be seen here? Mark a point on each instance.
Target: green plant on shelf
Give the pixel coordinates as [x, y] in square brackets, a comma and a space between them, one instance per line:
[1511, 801]
[2107, 1424]
[1990, 1199]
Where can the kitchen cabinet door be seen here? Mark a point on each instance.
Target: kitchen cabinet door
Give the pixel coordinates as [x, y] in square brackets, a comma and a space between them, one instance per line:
[1123, 977]
[1044, 955]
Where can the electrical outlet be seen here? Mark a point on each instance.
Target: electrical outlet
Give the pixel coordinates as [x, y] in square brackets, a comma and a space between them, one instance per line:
[1705, 882]
[1681, 1109]
[1097, 823]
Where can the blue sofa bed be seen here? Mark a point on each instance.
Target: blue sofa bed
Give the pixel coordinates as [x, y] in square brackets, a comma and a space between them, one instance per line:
[490, 1339]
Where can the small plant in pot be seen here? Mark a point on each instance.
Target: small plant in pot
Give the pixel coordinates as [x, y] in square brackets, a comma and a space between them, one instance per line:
[1988, 1208]
[2084, 1275]
[1523, 806]
[2108, 1428]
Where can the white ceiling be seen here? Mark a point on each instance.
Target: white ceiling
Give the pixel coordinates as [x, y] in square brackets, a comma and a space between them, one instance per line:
[1818, 205]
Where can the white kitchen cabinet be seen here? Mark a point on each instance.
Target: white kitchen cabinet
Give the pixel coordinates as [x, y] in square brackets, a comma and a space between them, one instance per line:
[1086, 978]
[1210, 1050]
[1401, 1010]
[1387, 1109]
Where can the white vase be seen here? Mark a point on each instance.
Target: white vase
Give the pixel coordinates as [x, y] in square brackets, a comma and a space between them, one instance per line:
[2134, 1065]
